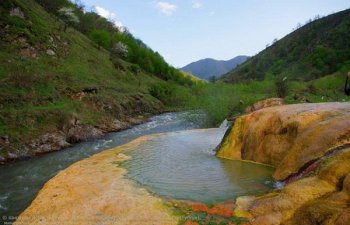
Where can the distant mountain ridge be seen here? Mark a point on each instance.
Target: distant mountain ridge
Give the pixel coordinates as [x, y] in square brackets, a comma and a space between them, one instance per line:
[206, 68]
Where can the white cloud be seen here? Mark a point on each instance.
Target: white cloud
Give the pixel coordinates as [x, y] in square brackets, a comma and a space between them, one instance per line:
[104, 12]
[197, 4]
[108, 15]
[166, 7]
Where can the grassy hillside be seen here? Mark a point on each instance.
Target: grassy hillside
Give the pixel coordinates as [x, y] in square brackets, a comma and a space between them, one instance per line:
[317, 49]
[50, 76]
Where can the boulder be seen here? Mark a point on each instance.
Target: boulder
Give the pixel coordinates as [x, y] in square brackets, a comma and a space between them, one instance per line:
[113, 125]
[82, 133]
[50, 52]
[49, 143]
[17, 12]
[264, 104]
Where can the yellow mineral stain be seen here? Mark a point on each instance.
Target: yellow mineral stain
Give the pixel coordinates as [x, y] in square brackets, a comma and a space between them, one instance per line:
[95, 191]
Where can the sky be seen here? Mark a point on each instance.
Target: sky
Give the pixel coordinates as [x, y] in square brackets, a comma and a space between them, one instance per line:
[183, 31]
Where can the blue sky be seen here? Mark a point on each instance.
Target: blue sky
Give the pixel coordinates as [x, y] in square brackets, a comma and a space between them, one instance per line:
[183, 31]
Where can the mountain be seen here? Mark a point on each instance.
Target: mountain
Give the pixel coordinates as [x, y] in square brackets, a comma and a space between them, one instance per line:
[68, 75]
[207, 68]
[319, 48]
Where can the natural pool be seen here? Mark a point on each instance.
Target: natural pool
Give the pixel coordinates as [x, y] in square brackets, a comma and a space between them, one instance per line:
[183, 165]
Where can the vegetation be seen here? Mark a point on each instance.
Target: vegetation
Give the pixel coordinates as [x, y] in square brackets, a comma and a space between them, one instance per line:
[221, 100]
[316, 49]
[46, 73]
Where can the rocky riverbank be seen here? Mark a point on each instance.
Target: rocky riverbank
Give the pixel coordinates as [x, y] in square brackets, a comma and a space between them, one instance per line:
[71, 133]
[309, 144]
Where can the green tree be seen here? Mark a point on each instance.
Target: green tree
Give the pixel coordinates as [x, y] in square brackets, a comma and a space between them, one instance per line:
[101, 37]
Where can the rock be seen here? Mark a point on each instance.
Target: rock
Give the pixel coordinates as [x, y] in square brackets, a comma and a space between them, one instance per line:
[82, 133]
[96, 191]
[49, 143]
[114, 125]
[11, 155]
[288, 137]
[136, 121]
[309, 144]
[301, 98]
[17, 12]
[25, 52]
[22, 40]
[318, 199]
[264, 104]
[2, 159]
[50, 52]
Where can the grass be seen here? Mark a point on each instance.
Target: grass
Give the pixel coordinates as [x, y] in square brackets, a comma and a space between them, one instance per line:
[221, 100]
[36, 92]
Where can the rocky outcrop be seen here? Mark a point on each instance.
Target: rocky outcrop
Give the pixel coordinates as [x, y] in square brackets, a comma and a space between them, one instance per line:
[288, 137]
[270, 102]
[95, 191]
[309, 144]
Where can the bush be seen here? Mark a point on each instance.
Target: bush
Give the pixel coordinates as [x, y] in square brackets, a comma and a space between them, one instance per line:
[101, 37]
[161, 91]
[281, 87]
[135, 68]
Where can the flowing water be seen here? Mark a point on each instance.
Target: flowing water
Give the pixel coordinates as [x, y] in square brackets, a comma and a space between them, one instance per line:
[21, 181]
[182, 165]
[179, 164]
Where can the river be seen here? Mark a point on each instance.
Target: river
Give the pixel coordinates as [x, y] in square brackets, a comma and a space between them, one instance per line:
[179, 164]
[21, 181]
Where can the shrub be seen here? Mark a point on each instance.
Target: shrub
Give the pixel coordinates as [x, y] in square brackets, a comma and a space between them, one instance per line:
[135, 68]
[68, 17]
[119, 50]
[101, 37]
[161, 91]
[281, 87]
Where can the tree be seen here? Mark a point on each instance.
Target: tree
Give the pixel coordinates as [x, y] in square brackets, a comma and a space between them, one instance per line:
[119, 50]
[54, 6]
[68, 17]
[101, 37]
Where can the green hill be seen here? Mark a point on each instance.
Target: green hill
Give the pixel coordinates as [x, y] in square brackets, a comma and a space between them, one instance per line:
[64, 82]
[316, 49]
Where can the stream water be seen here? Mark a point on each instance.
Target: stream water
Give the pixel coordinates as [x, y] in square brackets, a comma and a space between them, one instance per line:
[179, 164]
[21, 181]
